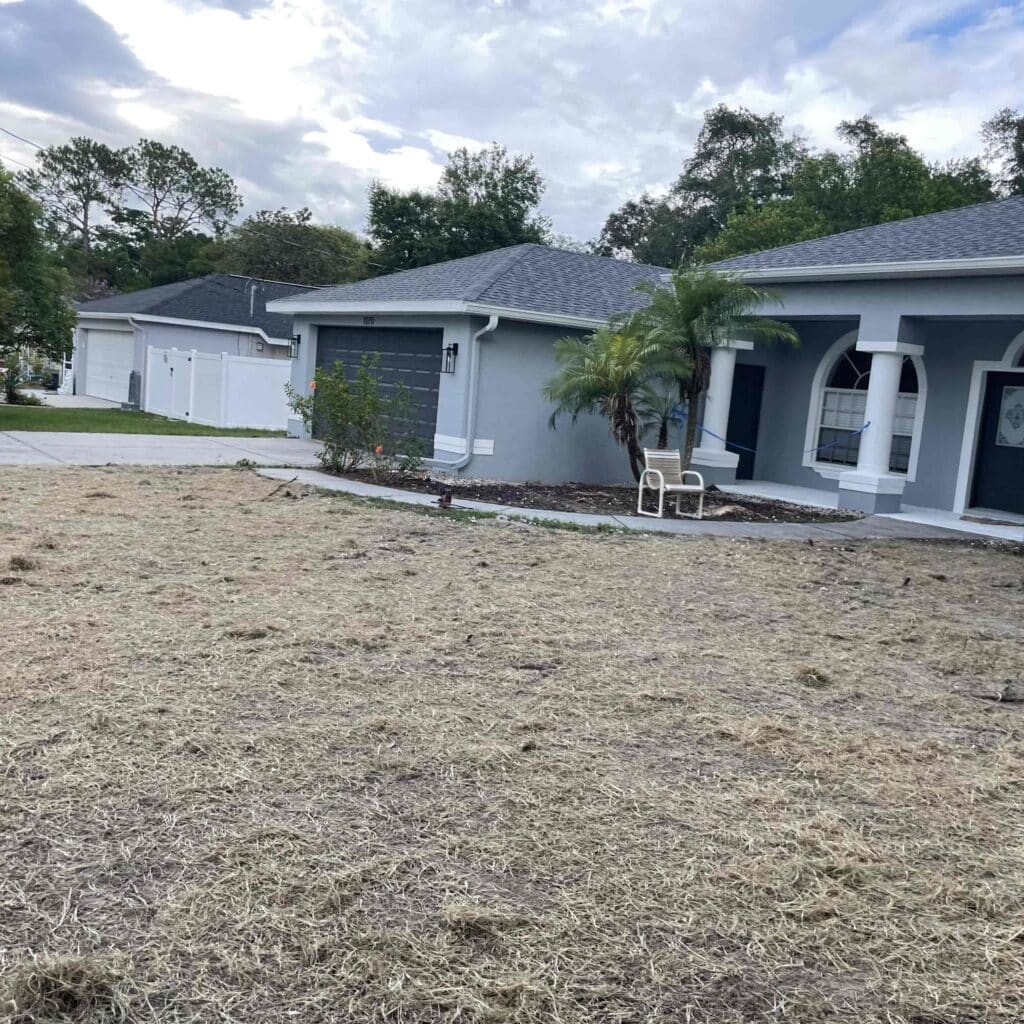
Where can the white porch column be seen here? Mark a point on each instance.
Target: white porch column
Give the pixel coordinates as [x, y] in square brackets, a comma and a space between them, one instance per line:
[871, 487]
[711, 453]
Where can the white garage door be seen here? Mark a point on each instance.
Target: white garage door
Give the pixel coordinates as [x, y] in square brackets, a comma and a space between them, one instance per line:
[108, 363]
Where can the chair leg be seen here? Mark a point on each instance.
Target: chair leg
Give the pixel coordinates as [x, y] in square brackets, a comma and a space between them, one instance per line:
[661, 503]
[679, 507]
[700, 506]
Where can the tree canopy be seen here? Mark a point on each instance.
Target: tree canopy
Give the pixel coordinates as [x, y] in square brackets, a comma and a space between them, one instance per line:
[484, 201]
[748, 185]
[285, 246]
[34, 311]
[879, 178]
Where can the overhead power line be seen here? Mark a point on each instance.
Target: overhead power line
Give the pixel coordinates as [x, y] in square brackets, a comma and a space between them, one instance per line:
[11, 160]
[20, 138]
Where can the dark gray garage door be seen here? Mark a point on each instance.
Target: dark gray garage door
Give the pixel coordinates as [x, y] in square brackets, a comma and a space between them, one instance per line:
[408, 355]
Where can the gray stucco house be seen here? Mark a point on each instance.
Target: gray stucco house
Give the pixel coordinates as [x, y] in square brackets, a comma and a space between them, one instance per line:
[215, 313]
[907, 385]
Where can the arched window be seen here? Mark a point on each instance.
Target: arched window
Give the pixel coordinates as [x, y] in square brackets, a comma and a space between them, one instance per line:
[843, 400]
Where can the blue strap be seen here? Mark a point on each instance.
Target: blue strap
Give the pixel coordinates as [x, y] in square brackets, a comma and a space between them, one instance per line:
[817, 448]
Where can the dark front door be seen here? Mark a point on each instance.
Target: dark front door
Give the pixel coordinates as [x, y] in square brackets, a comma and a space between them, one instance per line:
[411, 356]
[999, 462]
[744, 416]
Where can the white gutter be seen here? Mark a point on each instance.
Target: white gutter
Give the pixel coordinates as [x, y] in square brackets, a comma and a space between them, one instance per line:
[472, 390]
[986, 266]
[133, 318]
[424, 307]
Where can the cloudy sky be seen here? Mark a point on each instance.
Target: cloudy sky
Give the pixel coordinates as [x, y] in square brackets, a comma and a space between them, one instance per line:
[305, 102]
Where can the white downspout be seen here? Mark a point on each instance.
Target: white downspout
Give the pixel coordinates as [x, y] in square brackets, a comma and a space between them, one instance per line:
[474, 388]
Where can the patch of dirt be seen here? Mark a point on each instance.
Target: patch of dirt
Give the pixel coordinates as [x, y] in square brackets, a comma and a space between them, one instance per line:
[613, 500]
[305, 758]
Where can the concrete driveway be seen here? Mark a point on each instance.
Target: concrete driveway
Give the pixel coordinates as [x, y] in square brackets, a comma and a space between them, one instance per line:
[43, 448]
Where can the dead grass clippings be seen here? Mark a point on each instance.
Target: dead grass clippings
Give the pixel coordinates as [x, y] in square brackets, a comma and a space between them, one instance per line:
[581, 784]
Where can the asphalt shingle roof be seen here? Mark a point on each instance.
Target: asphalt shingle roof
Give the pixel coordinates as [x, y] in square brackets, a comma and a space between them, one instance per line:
[972, 232]
[531, 277]
[215, 298]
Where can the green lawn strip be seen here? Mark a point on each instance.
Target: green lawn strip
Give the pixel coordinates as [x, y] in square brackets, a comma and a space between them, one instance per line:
[111, 421]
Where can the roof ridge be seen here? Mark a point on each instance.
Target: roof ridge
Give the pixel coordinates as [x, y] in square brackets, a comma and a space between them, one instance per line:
[513, 254]
[872, 227]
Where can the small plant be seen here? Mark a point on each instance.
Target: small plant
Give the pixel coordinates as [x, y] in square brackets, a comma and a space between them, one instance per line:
[12, 382]
[358, 424]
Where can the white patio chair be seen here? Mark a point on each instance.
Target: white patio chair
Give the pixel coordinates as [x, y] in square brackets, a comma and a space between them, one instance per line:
[664, 474]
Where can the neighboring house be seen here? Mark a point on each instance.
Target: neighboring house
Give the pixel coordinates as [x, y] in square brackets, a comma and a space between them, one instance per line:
[915, 328]
[218, 313]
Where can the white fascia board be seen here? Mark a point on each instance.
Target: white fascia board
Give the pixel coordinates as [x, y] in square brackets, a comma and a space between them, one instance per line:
[987, 266]
[421, 307]
[145, 318]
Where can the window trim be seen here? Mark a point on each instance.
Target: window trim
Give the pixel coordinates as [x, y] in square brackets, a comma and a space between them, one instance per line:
[834, 470]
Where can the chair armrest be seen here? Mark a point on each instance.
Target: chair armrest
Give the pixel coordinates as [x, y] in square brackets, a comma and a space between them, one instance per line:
[659, 486]
[693, 472]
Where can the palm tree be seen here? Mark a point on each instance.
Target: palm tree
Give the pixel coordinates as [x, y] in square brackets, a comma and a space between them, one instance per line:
[700, 309]
[614, 372]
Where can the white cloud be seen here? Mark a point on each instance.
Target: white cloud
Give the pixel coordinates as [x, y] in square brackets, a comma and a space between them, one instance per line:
[306, 101]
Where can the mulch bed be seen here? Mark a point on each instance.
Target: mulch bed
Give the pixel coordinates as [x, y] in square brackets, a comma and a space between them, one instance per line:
[611, 500]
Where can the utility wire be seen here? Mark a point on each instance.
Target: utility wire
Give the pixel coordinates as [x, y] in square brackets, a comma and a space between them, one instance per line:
[20, 138]
[11, 160]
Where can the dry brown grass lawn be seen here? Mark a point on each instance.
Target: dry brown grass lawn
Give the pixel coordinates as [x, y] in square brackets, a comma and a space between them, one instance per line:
[276, 759]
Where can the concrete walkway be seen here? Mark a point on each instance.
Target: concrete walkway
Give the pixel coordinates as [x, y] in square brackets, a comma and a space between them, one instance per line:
[872, 527]
[45, 448]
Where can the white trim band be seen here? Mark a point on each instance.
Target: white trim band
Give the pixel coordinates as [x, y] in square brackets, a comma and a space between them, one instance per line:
[457, 445]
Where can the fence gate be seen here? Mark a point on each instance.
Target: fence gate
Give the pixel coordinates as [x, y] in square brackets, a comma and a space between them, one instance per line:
[216, 389]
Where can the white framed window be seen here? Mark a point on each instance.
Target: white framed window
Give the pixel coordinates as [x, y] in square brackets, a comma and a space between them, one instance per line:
[839, 400]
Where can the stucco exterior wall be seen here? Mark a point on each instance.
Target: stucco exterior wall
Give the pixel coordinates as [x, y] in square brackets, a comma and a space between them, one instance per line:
[516, 361]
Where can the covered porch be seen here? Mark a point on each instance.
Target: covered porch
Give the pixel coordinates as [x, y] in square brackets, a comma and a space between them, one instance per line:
[883, 411]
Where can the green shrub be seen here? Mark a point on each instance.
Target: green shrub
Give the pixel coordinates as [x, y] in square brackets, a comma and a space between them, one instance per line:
[358, 424]
[12, 382]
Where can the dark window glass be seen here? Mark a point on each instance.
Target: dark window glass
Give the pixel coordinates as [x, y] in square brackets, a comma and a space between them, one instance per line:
[839, 446]
[851, 371]
[908, 377]
[899, 454]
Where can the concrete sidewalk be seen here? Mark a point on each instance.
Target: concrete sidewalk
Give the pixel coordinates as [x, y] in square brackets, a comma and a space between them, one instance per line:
[869, 528]
[43, 448]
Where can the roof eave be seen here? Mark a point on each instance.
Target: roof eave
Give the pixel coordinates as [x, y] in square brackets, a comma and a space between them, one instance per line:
[989, 266]
[424, 307]
[209, 325]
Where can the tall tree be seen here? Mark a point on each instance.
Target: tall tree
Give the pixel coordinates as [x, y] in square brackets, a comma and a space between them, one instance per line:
[178, 194]
[880, 178]
[740, 158]
[484, 201]
[286, 246]
[697, 311]
[75, 182]
[34, 312]
[1003, 135]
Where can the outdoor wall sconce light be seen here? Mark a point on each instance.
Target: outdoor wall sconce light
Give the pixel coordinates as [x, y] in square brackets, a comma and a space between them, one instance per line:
[449, 352]
[293, 348]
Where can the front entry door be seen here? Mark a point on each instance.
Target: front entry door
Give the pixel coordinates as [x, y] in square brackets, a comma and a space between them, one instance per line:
[999, 462]
[745, 416]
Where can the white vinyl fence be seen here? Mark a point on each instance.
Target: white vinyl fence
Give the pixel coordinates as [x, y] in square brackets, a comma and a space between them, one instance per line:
[217, 390]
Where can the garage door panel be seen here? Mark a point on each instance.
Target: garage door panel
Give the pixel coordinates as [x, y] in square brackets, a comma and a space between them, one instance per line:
[407, 356]
[108, 364]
